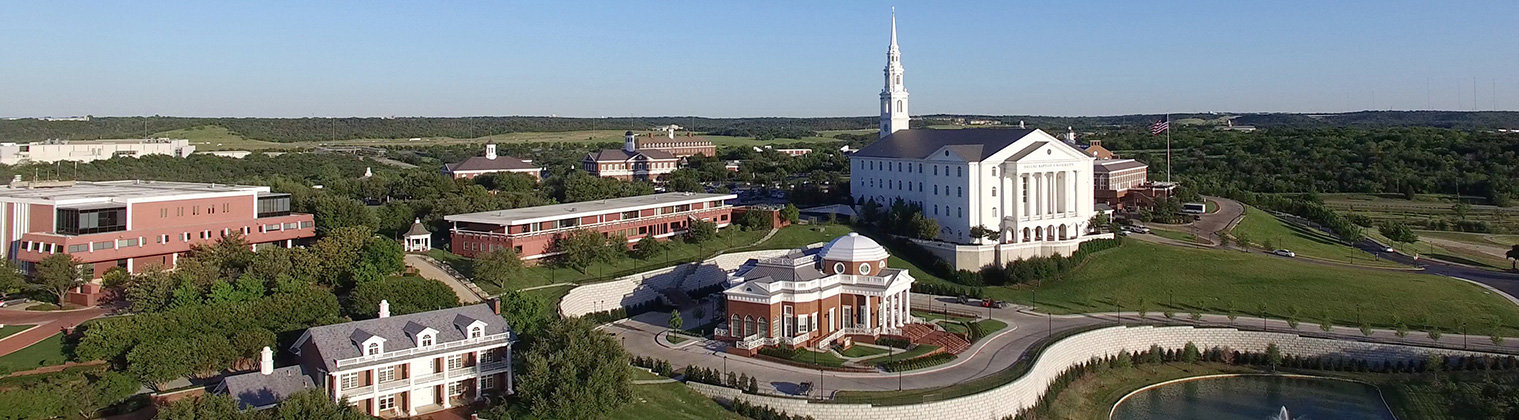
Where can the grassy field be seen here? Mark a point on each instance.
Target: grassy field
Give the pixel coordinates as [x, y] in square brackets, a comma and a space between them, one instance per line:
[1424, 207]
[669, 401]
[1218, 281]
[810, 357]
[8, 330]
[863, 351]
[219, 138]
[919, 350]
[47, 352]
[1264, 229]
[1440, 247]
[1174, 235]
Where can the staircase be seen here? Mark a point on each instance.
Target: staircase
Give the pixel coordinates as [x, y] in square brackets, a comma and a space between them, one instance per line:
[678, 298]
[927, 334]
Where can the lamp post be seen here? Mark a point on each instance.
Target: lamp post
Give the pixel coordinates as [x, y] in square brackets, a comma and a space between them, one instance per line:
[725, 363]
[1463, 335]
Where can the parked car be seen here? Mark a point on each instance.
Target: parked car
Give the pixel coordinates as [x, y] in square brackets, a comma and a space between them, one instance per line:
[1284, 253]
[1139, 229]
[1389, 250]
[989, 303]
[963, 299]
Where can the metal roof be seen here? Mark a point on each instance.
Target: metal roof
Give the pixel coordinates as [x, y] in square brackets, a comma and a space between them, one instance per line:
[972, 144]
[584, 208]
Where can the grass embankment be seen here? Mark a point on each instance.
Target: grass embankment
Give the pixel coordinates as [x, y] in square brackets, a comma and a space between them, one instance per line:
[219, 138]
[1425, 209]
[1160, 277]
[1475, 249]
[729, 240]
[863, 351]
[1264, 229]
[1175, 235]
[919, 350]
[669, 401]
[47, 352]
[9, 330]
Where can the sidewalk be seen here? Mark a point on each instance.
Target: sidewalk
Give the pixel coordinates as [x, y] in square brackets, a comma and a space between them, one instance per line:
[48, 323]
[430, 271]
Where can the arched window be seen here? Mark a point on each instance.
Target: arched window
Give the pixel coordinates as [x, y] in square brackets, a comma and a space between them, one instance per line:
[476, 332]
[899, 105]
[735, 328]
[764, 329]
[994, 171]
[994, 191]
[373, 349]
[749, 330]
[426, 340]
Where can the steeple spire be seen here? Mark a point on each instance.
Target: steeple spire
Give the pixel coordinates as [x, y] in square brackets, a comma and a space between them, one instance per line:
[894, 116]
[893, 29]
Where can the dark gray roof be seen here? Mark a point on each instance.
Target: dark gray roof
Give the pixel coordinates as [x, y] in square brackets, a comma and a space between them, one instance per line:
[611, 155]
[417, 229]
[480, 163]
[779, 273]
[256, 390]
[412, 329]
[1118, 165]
[972, 144]
[360, 336]
[334, 341]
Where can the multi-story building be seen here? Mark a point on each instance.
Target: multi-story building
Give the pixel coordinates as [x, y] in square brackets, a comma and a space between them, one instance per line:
[630, 163]
[1125, 184]
[89, 150]
[679, 146]
[491, 163]
[531, 231]
[392, 366]
[813, 298]
[1024, 183]
[138, 224]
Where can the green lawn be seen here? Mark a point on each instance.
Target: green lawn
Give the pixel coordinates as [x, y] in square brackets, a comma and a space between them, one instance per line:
[991, 326]
[863, 351]
[954, 327]
[919, 350]
[8, 330]
[219, 138]
[675, 338]
[1216, 281]
[643, 375]
[939, 315]
[817, 358]
[1174, 235]
[1262, 229]
[669, 401]
[47, 352]
[1456, 253]
[796, 236]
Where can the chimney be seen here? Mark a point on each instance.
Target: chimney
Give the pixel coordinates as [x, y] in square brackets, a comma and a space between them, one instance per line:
[490, 151]
[495, 304]
[1095, 143]
[266, 361]
[627, 142]
[384, 309]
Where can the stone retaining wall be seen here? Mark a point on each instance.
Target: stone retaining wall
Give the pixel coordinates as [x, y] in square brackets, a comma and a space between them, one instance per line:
[1024, 392]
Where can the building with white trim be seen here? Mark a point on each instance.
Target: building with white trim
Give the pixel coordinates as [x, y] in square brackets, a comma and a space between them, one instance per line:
[491, 163]
[532, 231]
[91, 150]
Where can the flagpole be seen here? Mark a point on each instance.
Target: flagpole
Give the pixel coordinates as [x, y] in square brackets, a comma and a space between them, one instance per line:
[1168, 148]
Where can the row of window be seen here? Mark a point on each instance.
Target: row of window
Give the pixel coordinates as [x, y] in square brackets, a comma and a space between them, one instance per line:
[51, 248]
[900, 166]
[194, 210]
[627, 215]
[455, 389]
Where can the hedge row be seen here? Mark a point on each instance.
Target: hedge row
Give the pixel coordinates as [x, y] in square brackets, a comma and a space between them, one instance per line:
[917, 362]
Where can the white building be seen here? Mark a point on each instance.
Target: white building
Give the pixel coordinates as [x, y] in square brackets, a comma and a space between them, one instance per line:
[1032, 187]
[90, 150]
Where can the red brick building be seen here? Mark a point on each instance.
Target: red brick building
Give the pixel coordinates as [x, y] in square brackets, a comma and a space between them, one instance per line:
[678, 146]
[630, 163]
[814, 299]
[491, 163]
[533, 230]
[1125, 184]
[138, 224]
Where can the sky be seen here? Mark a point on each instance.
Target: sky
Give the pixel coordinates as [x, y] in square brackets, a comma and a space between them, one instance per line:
[751, 58]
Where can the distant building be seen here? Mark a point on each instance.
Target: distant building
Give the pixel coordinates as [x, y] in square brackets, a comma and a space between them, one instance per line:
[1096, 150]
[791, 152]
[1232, 127]
[391, 366]
[1125, 184]
[91, 150]
[531, 231]
[679, 146]
[491, 163]
[630, 163]
[139, 224]
[816, 298]
[235, 154]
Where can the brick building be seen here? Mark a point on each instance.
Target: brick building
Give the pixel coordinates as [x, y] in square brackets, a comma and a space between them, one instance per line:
[814, 299]
[678, 146]
[391, 366]
[138, 224]
[1125, 184]
[630, 163]
[491, 163]
[533, 230]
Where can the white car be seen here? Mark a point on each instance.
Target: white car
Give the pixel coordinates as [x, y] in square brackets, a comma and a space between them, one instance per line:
[1284, 253]
[1389, 250]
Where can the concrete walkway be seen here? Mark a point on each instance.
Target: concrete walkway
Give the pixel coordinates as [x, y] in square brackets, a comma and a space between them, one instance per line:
[48, 323]
[430, 271]
[989, 355]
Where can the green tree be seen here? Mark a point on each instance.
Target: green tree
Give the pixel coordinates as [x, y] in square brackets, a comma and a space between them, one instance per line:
[526, 313]
[334, 212]
[338, 253]
[575, 372]
[790, 213]
[497, 266]
[11, 279]
[209, 406]
[1397, 232]
[1273, 355]
[386, 255]
[581, 248]
[675, 321]
[1513, 257]
[1189, 353]
[923, 227]
[1243, 241]
[56, 274]
[648, 247]
[1461, 209]
[701, 231]
[314, 404]
[406, 295]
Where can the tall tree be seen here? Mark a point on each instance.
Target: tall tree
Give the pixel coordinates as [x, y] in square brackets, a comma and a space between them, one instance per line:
[56, 274]
[922, 227]
[406, 294]
[582, 247]
[209, 406]
[575, 372]
[11, 279]
[497, 266]
[314, 404]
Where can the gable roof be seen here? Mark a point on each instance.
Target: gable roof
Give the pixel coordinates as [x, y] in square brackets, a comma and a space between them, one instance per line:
[257, 390]
[333, 342]
[972, 144]
[619, 155]
[500, 163]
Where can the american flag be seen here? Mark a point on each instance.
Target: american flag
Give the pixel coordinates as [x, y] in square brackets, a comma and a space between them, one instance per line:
[1160, 127]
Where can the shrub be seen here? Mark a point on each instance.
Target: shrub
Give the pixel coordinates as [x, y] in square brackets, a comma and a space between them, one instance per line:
[893, 342]
[917, 362]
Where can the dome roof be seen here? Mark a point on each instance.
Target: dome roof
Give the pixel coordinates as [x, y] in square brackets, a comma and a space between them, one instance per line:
[853, 248]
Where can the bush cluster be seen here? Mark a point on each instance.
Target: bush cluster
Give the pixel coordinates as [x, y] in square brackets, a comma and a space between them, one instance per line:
[947, 290]
[658, 366]
[917, 362]
[1043, 268]
[701, 375]
[624, 312]
[778, 352]
[900, 343]
[760, 412]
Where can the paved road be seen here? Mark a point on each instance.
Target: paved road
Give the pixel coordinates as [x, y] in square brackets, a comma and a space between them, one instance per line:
[427, 270]
[1507, 282]
[1209, 225]
[48, 323]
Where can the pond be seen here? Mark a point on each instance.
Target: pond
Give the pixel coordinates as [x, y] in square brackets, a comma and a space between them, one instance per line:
[1255, 398]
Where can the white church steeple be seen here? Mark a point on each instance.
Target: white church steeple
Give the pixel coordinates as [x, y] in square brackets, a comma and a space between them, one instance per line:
[894, 94]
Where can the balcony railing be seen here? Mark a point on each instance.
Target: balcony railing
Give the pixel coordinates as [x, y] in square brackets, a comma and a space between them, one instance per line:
[468, 342]
[587, 225]
[429, 377]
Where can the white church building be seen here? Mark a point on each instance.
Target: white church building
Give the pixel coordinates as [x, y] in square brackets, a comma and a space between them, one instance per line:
[1032, 187]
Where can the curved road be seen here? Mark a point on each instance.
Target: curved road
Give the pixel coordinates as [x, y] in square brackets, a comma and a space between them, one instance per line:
[48, 323]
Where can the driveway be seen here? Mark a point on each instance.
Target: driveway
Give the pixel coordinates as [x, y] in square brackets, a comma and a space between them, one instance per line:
[1209, 226]
[427, 270]
[48, 323]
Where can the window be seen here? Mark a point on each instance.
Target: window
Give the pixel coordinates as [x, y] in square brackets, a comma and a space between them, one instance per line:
[123, 243]
[959, 212]
[488, 382]
[245, 230]
[959, 191]
[386, 374]
[180, 211]
[455, 362]
[838, 267]
[74, 249]
[456, 389]
[210, 209]
[102, 245]
[630, 214]
[994, 191]
[163, 239]
[87, 221]
[425, 340]
[387, 402]
[864, 268]
[994, 171]
[194, 210]
[476, 332]
[960, 171]
[348, 380]
[225, 207]
[307, 224]
[162, 213]
[372, 349]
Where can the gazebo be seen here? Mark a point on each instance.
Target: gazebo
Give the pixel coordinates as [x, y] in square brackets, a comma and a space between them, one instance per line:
[417, 239]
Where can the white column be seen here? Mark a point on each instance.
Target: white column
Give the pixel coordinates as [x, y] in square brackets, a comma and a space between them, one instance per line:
[479, 364]
[1050, 191]
[337, 383]
[907, 305]
[1036, 199]
[374, 394]
[865, 316]
[510, 372]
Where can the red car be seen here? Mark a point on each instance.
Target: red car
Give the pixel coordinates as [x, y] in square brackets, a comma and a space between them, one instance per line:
[988, 303]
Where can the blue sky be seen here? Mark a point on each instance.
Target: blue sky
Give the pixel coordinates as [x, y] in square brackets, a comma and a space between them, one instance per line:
[730, 58]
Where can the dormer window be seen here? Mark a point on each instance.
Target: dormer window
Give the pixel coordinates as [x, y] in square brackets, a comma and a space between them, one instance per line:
[372, 349]
[425, 340]
[476, 332]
